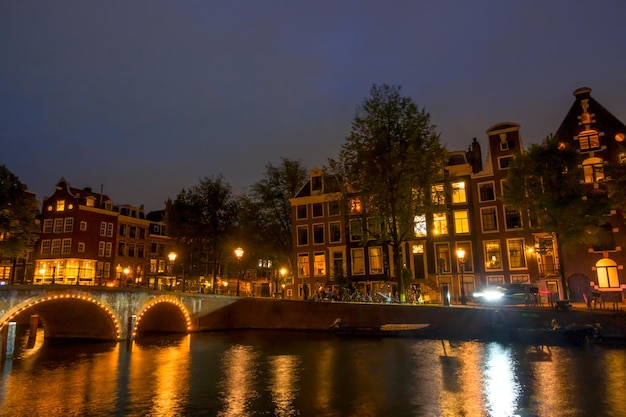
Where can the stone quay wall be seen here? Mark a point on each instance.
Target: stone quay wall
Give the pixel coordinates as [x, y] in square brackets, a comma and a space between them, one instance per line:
[448, 321]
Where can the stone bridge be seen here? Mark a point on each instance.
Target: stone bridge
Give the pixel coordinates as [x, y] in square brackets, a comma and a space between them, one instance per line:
[105, 313]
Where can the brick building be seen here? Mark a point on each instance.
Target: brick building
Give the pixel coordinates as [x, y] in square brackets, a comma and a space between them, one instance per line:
[468, 214]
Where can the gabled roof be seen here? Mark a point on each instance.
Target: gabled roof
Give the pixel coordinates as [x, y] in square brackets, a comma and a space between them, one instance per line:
[81, 194]
[570, 126]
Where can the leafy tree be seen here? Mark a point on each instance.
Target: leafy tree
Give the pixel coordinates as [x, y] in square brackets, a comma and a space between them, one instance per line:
[202, 219]
[390, 159]
[18, 210]
[546, 183]
[269, 210]
[615, 173]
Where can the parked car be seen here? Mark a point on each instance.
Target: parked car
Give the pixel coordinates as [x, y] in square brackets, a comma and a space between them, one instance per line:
[503, 294]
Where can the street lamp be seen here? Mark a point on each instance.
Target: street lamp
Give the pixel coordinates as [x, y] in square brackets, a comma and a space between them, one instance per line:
[460, 254]
[172, 257]
[42, 271]
[239, 255]
[283, 274]
[126, 272]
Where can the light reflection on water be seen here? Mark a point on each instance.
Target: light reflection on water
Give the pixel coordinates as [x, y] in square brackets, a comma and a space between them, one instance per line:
[310, 374]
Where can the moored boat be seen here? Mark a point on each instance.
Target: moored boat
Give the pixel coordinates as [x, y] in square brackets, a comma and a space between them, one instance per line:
[385, 330]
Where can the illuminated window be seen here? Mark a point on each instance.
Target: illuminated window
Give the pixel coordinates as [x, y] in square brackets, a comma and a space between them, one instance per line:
[437, 194]
[319, 263]
[593, 170]
[461, 221]
[303, 264]
[440, 224]
[419, 225]
[376, 260]
[358, 262]
[607, 273]
[493, 255]
[517, 253]
[489, 219]
[458, 193]
[355, 205]
[61, 205]
[588, 139]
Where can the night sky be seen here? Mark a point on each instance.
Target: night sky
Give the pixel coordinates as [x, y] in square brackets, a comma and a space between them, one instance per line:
[146, 97]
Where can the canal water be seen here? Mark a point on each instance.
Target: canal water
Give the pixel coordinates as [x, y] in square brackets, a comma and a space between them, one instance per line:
[265, 373]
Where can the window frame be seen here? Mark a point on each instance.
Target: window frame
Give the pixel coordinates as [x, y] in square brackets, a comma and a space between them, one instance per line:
[464, 222]
[523, 256]
[480, 194]
[493, 209]
[376, 258]
[488, 255]
[302, 239]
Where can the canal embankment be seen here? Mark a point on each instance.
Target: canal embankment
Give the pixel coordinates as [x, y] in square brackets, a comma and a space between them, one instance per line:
[462, 322]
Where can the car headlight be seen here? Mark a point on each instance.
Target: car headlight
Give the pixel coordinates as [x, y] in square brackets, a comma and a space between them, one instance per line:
[492, 295]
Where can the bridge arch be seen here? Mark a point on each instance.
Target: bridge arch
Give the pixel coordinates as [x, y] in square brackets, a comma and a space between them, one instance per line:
[163, 314]
[68, 315]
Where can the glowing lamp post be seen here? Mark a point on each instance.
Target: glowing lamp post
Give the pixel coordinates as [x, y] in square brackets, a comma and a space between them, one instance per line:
[126, 272]
[172, 257]
[460, 254]
[239, 255]
[283, 274]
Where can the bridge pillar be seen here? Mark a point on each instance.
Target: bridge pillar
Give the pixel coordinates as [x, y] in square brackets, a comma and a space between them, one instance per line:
[130, 328]
[8, 340]
[32, 334]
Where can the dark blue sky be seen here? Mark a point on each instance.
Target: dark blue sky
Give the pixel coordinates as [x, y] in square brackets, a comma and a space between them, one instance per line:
[146, 97]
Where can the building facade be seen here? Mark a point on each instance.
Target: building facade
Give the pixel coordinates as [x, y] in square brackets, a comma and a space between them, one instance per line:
[78, 238]
[468, 238]
[600, 139]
